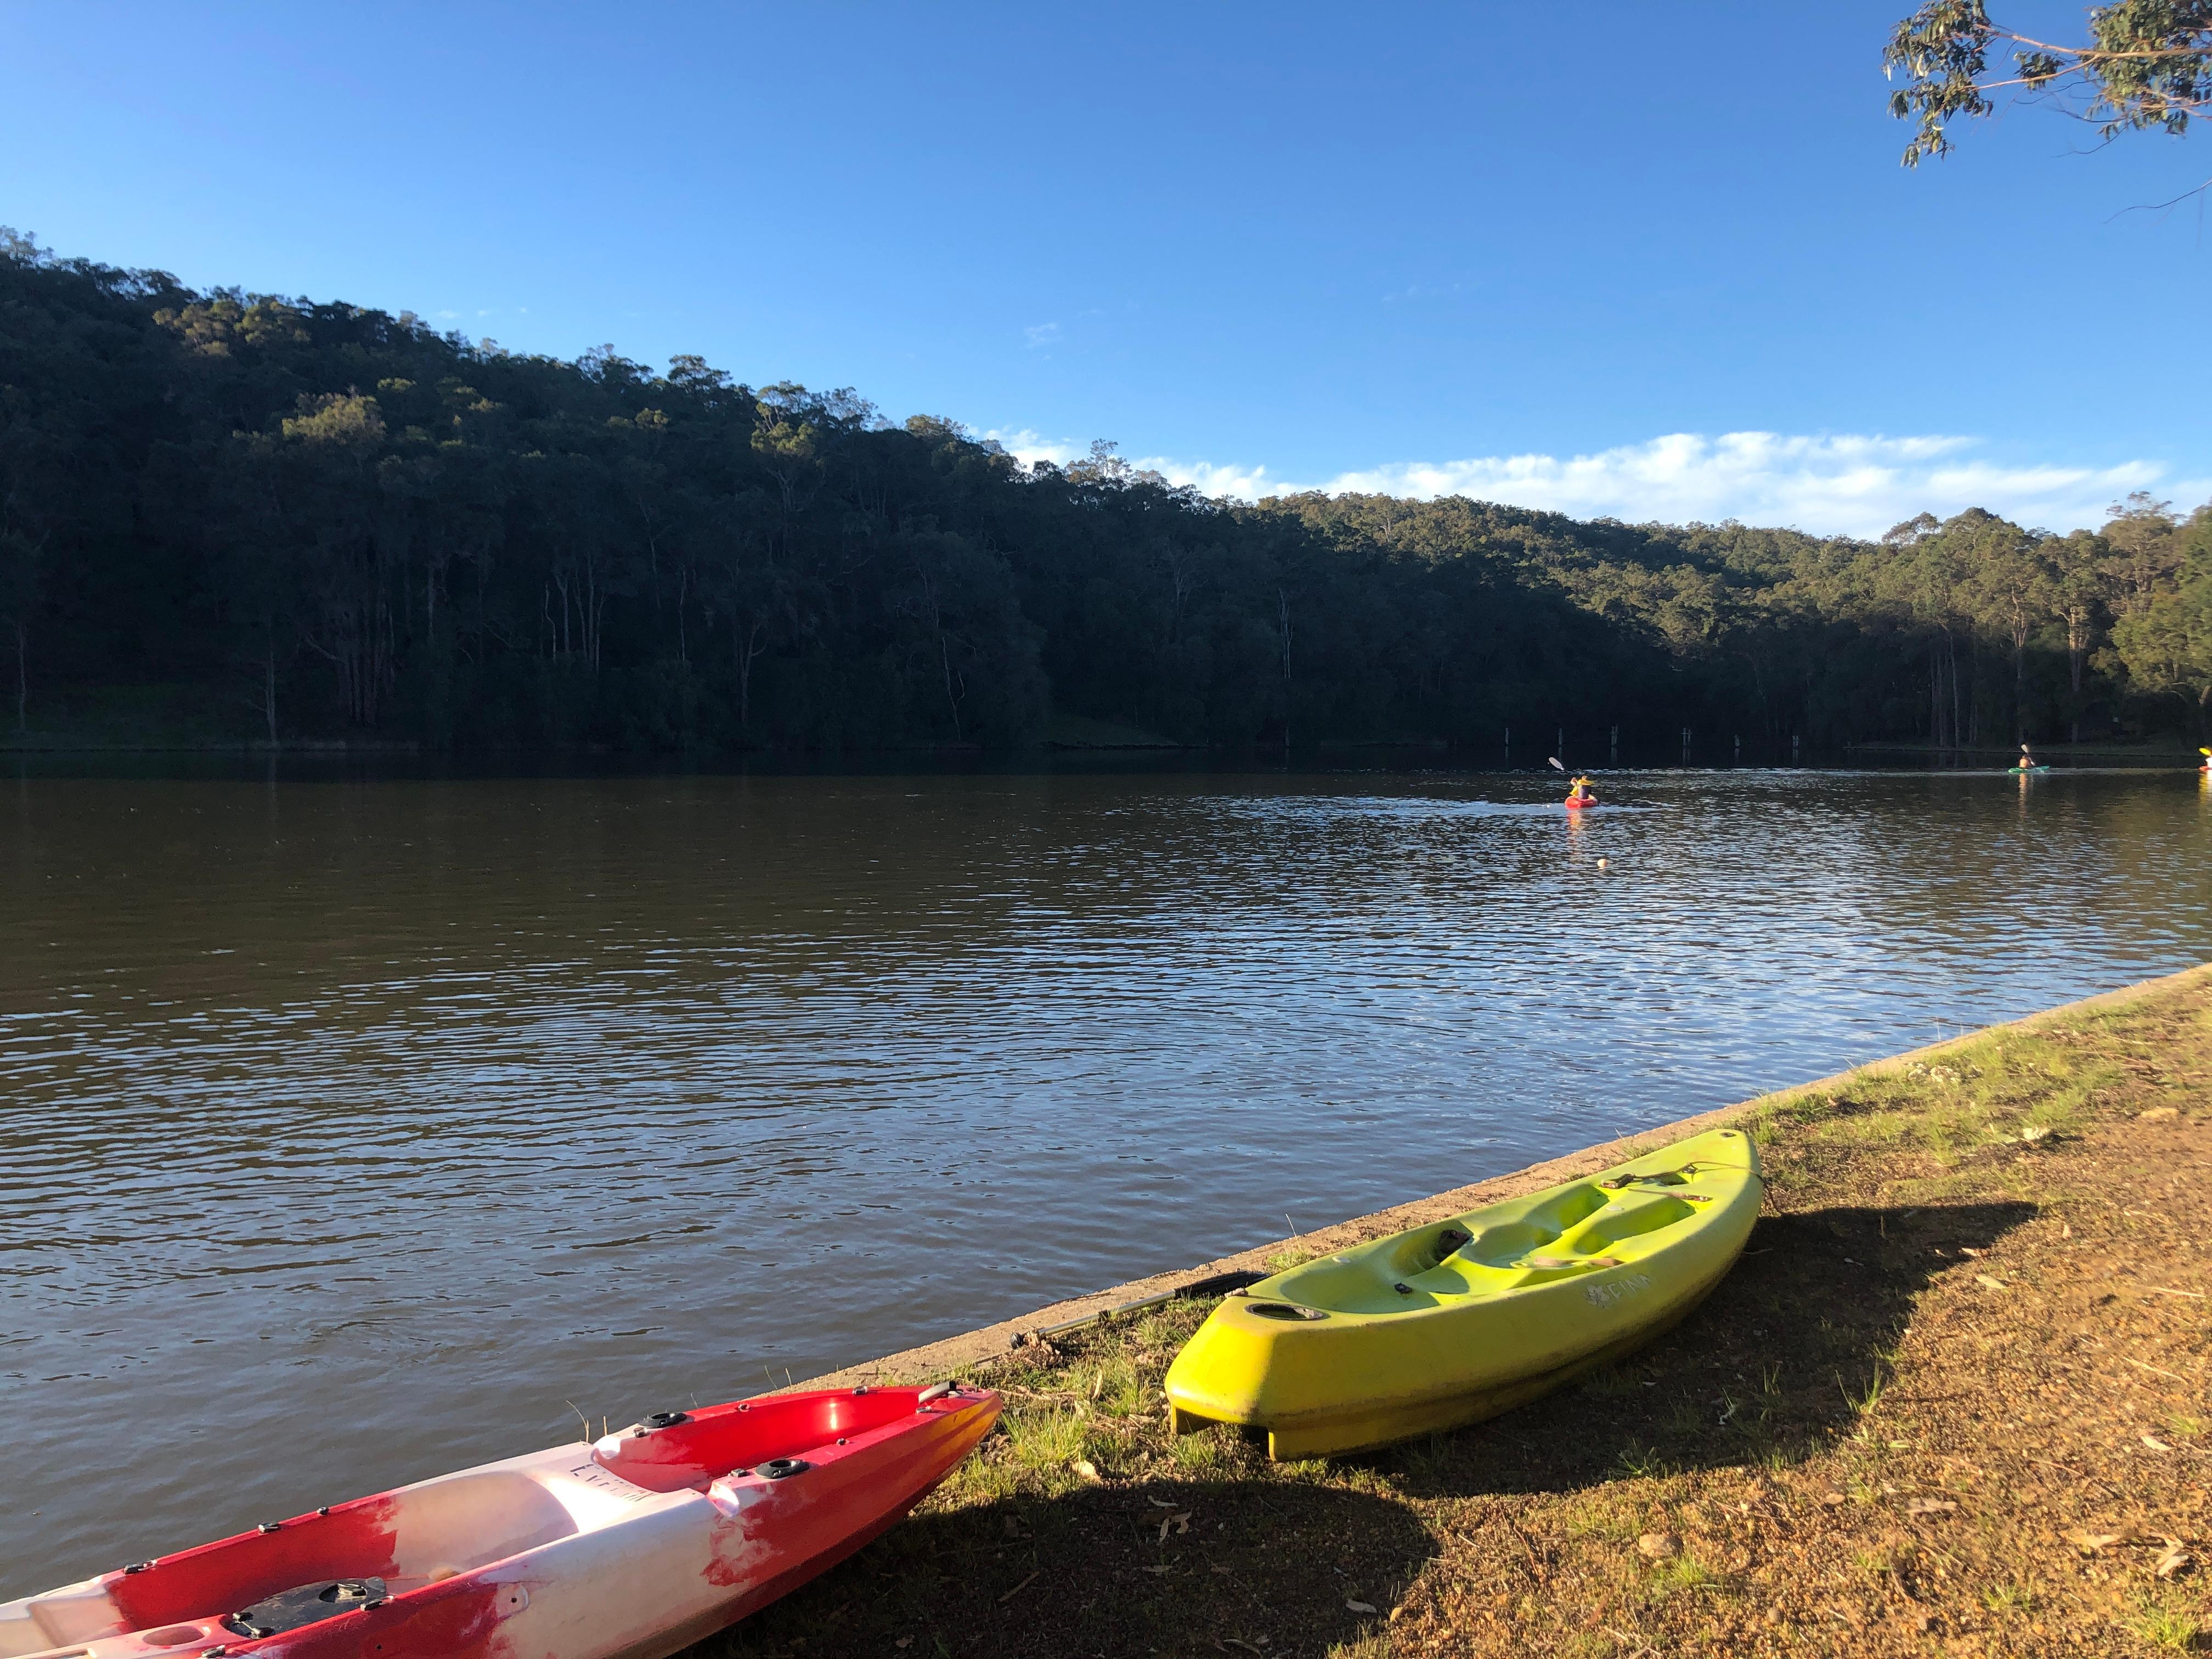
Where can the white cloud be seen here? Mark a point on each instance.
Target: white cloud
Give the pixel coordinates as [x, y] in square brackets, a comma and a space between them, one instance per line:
[1028, 447]
[1845, 483]
[1042, 334]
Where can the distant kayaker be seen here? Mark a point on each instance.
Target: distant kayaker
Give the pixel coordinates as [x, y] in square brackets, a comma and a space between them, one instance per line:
[2027, 762]
[1579, 792]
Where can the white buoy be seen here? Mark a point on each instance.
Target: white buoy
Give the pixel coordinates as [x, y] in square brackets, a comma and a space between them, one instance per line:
[1605, 864]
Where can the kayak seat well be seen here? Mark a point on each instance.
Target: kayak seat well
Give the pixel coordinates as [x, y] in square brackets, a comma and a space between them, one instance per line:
[706, 1444]
[1504, 1247]
[1505, 1244]
[1547, 1241]
[409, 1538]
[1630, 1220]
[465, 1521]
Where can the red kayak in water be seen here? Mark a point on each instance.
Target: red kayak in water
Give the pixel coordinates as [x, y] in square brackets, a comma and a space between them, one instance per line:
[627, 1547]
[1579, 803]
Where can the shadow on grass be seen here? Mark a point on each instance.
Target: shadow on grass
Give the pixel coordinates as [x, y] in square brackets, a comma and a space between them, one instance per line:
[1786, 1355]
[1251, 1565]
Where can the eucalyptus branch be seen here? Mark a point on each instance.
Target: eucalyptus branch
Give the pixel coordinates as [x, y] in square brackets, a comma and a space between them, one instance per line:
[2149, 65]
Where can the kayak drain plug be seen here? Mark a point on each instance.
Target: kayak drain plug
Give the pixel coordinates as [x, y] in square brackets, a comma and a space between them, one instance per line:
[663, 1420]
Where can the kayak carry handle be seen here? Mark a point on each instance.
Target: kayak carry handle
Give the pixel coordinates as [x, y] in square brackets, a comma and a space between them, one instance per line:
[1664, 1178]
[937, 1391]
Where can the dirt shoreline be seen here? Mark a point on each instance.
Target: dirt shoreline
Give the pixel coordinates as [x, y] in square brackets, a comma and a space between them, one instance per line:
[1956, 1398]
[960, 1354]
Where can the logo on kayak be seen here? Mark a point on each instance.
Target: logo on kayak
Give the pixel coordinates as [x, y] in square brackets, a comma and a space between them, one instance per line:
[1604, 1296]
[591, 1474]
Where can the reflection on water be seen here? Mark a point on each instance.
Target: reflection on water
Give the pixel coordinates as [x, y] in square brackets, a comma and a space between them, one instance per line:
[353, 1129]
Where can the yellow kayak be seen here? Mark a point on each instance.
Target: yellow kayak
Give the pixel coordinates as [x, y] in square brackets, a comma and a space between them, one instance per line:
[1462, 1318]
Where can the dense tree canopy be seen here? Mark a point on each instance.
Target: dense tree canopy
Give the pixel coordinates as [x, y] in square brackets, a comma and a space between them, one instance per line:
[314, 520]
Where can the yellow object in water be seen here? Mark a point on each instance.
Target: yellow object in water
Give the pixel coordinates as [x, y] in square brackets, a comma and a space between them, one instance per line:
[1462, 1318]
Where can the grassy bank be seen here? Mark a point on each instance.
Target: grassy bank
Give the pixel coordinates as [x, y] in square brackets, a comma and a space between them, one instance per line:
[1952, 1401]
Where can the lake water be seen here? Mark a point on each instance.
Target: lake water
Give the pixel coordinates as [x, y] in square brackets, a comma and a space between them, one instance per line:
[355, 1128]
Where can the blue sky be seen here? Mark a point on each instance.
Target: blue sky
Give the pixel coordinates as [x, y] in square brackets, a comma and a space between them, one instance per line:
[1661, 262]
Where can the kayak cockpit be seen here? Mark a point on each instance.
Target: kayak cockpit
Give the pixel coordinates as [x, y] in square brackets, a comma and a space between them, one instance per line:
[1579, 1229]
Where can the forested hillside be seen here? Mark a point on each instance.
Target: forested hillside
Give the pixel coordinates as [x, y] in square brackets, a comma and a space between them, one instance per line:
[312, 520]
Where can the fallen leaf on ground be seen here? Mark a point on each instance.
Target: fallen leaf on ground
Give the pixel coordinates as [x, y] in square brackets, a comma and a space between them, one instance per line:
[1162, 1567]
[1930, 1506]
[2159, 1114]
[2032, 1133]
[1968, 1249]
[1832, 1499]
[1017, 1589]
[1359, 1607]
[2155, 1444]
[2173, 1560]
[903, 1642]
[1654, 1545]
[1162, 1503]
[1085, 1467]
[1994, 1284]
[2092, 1543]
[1180, 1522]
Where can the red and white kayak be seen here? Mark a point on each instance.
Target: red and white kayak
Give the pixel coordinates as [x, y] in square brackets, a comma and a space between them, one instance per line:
[635, 1545]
